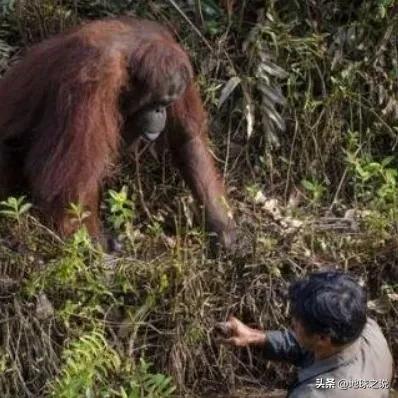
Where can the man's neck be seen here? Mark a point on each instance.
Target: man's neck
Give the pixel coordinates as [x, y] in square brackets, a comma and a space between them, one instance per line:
[329, 351]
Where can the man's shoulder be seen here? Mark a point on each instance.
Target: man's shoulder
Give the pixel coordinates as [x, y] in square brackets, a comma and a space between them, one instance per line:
[376, 354]
[373, 331]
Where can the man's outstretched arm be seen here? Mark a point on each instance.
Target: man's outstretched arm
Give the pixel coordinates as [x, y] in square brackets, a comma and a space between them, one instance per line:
[276, 345]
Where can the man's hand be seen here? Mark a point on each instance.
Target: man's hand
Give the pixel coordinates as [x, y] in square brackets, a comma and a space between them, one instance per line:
[238, 334]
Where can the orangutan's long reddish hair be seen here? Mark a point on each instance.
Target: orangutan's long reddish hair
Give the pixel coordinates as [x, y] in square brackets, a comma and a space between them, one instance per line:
[61, 119]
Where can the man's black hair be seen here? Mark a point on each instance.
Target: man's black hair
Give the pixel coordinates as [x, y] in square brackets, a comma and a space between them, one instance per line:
[330, 303]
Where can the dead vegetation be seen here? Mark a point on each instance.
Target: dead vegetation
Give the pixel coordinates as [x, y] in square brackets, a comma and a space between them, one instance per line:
[303, 102]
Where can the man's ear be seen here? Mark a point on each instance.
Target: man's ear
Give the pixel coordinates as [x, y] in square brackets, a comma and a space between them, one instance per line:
[324, 339]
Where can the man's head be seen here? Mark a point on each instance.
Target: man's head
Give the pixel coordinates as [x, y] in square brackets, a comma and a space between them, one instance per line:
[328, 310]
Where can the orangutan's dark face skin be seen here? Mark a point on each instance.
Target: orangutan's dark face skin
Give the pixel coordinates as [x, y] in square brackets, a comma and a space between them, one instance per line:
[149, 118]
[152, 122]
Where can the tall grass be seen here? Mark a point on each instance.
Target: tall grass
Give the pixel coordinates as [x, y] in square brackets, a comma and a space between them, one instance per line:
[302, 98]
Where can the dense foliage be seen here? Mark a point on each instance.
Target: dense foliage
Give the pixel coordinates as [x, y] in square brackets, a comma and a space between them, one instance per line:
[303, 101]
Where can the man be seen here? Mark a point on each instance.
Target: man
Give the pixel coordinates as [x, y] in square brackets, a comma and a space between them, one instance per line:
[338, 350]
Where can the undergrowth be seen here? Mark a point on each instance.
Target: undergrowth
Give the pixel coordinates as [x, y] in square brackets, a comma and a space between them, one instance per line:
[302, 98]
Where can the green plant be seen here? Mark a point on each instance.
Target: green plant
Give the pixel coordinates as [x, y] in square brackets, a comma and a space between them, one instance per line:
[7, 6]
[376, 181]
[383, 6]
[155, 228]
[316, 190]
[88, 361]
[121, 207]
[78, 213]
[15, 208]
[145, 384]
